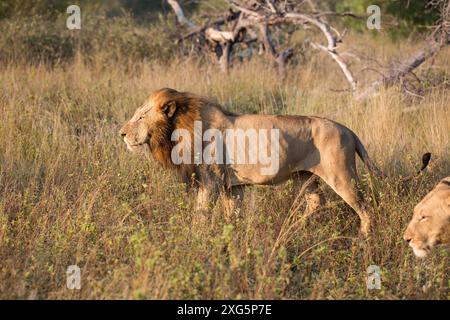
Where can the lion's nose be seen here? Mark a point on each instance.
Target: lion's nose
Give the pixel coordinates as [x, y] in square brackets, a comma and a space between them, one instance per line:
[122, 132]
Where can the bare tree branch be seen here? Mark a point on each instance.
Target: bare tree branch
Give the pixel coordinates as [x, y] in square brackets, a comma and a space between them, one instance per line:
[336, 57]
[399, 71]
[279, 58]
[180, 14]
[331, 44]
[222, 40]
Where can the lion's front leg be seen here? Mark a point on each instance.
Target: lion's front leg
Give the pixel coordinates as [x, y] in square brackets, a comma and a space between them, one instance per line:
[232, 202]
[206, 199]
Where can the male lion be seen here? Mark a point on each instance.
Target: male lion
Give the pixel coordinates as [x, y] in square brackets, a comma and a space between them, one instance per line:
[430, 224]
[304, 146]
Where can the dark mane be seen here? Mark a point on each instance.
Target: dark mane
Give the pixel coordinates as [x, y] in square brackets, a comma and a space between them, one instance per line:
[189, 108]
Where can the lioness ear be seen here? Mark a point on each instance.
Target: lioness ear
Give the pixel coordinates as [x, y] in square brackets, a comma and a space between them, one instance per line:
[169, 108]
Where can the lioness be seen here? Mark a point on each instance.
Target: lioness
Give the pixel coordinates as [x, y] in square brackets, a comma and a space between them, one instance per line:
[430, 224]
[304, 146]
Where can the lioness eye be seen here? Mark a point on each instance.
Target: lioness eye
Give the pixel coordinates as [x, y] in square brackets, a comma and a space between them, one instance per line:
[422, 218]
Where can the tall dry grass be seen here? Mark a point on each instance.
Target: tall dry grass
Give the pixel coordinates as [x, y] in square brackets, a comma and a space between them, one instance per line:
[70, 193]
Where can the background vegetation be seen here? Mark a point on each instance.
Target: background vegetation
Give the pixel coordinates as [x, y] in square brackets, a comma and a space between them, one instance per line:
[70, 193]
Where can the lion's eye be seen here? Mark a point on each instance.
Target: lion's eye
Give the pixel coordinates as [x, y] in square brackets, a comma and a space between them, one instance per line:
[423, 218]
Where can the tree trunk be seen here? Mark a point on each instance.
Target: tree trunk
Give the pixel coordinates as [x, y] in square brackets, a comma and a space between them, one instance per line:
[224, 59]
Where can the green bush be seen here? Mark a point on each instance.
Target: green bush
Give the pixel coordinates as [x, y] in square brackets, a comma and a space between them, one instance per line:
[38, 39]
[399, 18]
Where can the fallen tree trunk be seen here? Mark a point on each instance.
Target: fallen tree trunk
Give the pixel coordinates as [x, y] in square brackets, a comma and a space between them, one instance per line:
[401, 70]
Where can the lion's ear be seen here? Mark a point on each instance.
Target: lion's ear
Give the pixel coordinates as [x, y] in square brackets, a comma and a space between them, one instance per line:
[169, 108]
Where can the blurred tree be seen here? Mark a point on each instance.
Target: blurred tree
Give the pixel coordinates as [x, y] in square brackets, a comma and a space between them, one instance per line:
[399, 17]
[11, 8]
[49, 8]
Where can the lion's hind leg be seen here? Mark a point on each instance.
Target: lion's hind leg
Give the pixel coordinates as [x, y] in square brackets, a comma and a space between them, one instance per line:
[343, 180]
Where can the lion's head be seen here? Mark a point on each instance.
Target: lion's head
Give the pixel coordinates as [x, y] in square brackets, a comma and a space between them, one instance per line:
[430, 224]
[164, 111]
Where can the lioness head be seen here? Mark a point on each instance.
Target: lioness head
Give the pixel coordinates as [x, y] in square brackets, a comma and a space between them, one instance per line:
[430, 224]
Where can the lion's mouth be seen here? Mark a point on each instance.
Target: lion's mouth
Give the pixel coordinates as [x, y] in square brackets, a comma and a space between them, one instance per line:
[130, 145]
[137, 147]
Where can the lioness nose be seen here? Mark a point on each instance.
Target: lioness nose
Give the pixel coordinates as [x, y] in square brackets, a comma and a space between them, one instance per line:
[122, 132]
[407, 238]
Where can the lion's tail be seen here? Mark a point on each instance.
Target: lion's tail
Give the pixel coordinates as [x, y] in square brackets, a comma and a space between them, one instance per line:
[426, 157]
[362, 153]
